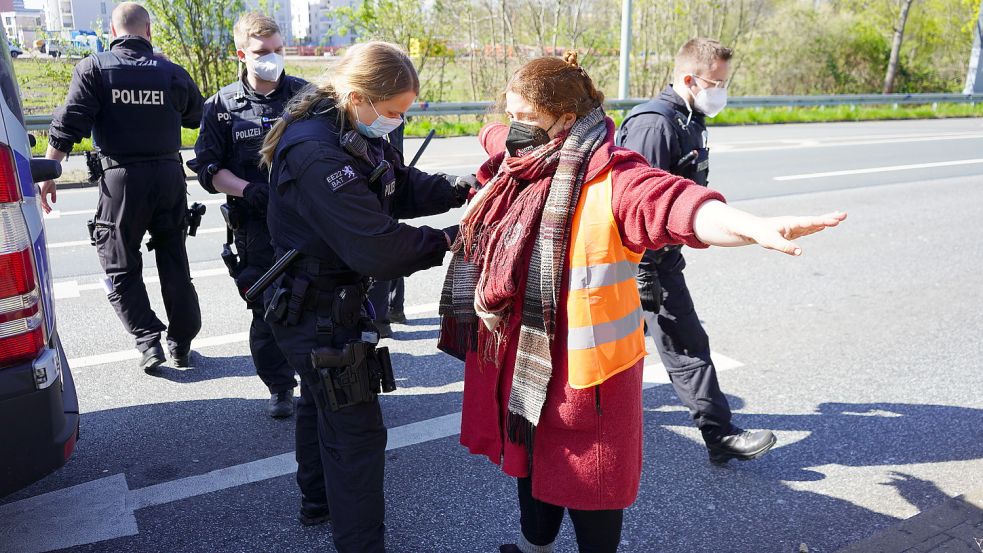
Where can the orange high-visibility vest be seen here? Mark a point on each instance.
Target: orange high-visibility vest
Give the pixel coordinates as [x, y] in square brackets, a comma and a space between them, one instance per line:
[604, 312]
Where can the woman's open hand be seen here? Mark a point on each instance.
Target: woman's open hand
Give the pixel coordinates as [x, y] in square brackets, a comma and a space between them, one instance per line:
[778, 233]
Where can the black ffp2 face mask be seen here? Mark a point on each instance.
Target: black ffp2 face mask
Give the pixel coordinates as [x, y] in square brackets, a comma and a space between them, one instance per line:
[524, 138]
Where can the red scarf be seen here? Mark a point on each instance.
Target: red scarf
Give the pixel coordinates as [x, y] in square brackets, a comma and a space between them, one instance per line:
[498, 234]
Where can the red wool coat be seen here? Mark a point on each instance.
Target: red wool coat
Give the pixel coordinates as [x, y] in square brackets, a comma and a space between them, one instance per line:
[584, 457]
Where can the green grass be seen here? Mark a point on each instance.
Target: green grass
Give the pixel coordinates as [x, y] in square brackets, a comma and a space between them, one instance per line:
[469, 125]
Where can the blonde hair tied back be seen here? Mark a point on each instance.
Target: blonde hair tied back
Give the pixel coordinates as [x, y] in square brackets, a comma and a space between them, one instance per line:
[375, 70]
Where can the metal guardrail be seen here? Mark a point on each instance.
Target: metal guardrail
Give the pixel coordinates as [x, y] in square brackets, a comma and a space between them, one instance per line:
[426, 109]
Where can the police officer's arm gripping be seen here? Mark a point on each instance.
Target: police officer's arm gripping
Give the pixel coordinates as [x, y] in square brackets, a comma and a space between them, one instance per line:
[72, 121]
[364, 236]
[212, 152]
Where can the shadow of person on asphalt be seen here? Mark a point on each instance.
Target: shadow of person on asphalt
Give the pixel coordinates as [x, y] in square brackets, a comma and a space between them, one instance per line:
[204, 368]
[689, 505]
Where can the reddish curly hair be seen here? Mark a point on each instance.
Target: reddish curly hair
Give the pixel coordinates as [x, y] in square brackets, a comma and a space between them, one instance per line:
[556, 86]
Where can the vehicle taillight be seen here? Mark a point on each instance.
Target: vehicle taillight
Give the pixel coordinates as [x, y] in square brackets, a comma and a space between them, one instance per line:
[21, 316]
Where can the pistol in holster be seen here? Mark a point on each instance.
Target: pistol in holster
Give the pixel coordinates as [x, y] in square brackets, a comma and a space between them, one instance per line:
[195, 212]
[233, 220]
[93, 224]
[355, 374]
[94, 165]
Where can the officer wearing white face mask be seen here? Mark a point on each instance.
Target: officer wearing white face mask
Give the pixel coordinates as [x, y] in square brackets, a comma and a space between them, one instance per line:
[670, 131]
[234, 123]
[337, 188]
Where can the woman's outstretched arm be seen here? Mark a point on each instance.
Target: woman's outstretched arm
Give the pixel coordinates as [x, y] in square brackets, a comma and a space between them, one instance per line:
[718, 224]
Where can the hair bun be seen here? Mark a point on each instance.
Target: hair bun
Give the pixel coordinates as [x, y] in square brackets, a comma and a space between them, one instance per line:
[570, 58]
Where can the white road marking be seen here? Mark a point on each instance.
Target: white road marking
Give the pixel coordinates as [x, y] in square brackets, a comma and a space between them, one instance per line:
[880, 169]
[225, 339]
[797, 144]
[128, 354]
[56, 214]
[66, 289]
[74, 243]
[104, 509]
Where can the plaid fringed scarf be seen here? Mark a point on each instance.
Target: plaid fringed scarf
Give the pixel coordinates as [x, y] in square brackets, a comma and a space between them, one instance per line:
[518, 226]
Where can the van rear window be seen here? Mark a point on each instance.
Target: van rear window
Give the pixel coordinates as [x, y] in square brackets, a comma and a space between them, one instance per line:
[8, 84]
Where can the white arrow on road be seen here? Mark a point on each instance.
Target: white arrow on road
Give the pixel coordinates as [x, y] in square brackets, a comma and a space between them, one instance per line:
[104, 509]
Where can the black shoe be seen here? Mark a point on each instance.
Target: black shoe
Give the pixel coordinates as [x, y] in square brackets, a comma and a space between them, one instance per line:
[740, 444]
[152, 358]
[281, 404]
[313, 517]
[180, 355]
[385, 330]
[397, 317]
[509, 548]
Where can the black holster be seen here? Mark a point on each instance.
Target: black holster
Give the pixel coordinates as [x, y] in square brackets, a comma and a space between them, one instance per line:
[94, 166]
[355, 374]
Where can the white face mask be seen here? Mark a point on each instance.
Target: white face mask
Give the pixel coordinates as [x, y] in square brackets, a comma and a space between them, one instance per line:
[380, 127]
[268, 67]
[711, 101]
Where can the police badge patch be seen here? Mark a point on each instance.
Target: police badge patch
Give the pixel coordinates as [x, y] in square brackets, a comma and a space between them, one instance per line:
[340, 178]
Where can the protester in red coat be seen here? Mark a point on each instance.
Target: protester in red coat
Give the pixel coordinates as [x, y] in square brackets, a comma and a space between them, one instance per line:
[570, 432]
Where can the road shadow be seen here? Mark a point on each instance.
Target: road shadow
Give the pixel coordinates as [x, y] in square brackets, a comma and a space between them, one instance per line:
[204, 368]
[686, 504]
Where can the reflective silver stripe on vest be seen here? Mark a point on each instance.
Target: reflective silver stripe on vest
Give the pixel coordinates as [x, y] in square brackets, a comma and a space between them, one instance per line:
[587, 337]
[596, 276]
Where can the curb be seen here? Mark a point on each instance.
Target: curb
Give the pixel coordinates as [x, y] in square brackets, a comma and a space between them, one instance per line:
[954, 526]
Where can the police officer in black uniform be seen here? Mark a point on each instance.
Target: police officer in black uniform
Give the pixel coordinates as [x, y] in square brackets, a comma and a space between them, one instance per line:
[233, 125]
[670, 131]
[336, 189]
[134, 104]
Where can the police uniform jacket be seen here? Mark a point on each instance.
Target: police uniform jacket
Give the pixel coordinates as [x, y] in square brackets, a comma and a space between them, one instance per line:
[234, 123]
[131, 101]
[663, 131]
[322, 203]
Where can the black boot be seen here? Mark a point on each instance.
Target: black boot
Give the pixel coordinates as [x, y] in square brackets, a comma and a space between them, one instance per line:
[509, 548]
[312, 516]
[385, 329]
[740, 444]
[153, 357]
[281, 404]
[181, 355]
[397, 317]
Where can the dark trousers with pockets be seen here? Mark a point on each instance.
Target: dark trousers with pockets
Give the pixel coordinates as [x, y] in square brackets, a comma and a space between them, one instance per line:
[148, 196]
[271, 365]
[350, 444]
[597, 531]
[683, 344]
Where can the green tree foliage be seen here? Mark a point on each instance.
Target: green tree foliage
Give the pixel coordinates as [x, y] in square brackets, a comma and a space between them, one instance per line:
[197, 34]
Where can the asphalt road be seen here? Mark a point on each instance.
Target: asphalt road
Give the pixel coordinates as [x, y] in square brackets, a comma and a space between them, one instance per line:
[864, 356]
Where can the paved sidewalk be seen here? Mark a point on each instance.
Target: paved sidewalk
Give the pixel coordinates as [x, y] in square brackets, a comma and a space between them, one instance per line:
[956, 526]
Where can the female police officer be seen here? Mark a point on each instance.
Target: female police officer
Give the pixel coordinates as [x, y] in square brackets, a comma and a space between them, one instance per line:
[336, 188]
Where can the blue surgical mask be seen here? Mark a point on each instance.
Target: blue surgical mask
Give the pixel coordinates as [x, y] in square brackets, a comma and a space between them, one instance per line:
[380, 127]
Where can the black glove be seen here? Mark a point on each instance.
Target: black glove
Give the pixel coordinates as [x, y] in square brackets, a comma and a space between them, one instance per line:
[257, 194]
[463, 187]
[451, 233]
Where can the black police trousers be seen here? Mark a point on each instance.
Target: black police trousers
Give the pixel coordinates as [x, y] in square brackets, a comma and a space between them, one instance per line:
[683, 344]
[271, 366]
[134, 199]
[350, 442]
[386, 296]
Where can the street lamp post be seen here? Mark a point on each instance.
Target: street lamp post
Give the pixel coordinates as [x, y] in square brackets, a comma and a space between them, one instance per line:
[974, 77]
[625, 48]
